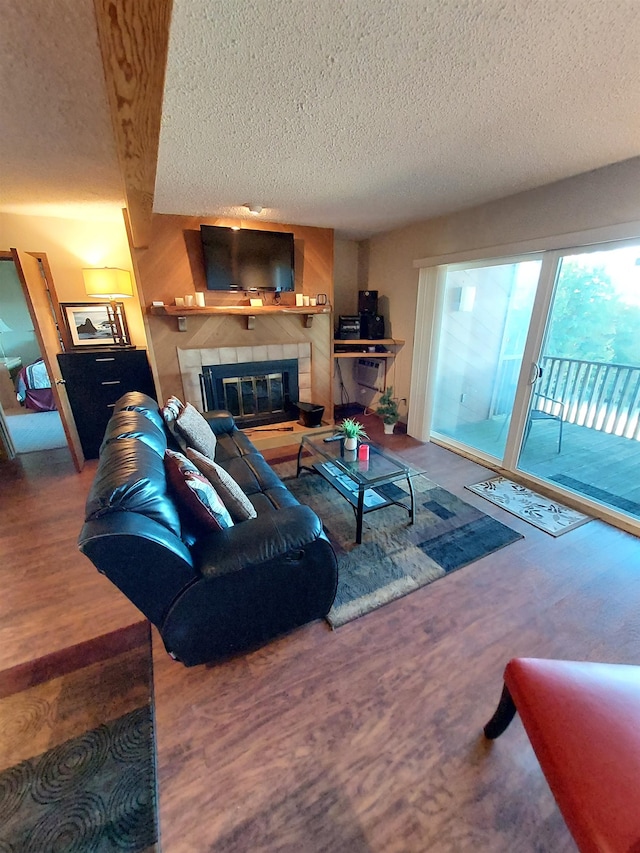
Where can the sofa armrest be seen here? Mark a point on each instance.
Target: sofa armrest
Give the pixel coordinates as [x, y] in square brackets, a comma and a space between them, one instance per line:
[256, 541]
[147, 562]
[220, 421]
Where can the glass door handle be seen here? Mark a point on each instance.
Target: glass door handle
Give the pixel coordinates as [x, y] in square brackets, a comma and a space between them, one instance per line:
[535, 373]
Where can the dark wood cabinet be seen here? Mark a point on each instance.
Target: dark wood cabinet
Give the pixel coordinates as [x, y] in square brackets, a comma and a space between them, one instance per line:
[94, 381]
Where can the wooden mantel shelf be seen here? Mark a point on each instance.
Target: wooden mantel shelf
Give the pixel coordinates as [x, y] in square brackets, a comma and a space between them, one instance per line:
[248, 311]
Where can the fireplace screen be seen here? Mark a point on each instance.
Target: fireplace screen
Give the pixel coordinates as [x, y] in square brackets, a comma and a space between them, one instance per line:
[255, 393]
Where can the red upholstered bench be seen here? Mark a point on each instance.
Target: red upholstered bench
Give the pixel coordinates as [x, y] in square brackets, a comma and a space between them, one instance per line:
[583, 721]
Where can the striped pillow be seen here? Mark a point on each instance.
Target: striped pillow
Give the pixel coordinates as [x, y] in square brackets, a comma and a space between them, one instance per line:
[199, 504]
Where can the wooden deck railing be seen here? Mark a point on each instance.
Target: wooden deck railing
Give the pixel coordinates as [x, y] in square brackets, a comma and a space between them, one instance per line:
[601, 396]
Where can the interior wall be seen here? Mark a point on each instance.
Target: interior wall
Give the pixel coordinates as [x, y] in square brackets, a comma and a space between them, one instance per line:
[345, 302]
[604, 197]
[345, 277]
[21, 340]
[172, 265]
[71, 245]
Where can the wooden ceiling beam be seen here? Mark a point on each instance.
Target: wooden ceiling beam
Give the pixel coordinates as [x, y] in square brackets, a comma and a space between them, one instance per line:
[134, 39]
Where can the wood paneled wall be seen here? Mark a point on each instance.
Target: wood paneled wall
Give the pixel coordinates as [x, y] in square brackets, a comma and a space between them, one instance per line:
[172, 266]
[227, 330]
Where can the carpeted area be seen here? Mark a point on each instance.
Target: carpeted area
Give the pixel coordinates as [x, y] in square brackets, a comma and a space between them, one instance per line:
[396, 558]
[77, 762]
[36, 431]
[544, 513]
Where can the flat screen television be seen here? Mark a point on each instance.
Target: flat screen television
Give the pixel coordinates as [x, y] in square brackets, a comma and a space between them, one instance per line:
[244, 259]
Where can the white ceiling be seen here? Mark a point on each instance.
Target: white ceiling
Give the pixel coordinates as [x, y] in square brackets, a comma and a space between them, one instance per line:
[358, 115]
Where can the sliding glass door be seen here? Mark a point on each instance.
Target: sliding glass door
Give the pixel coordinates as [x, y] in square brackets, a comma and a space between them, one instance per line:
[485, 320]
[538, 368]
[582, 429]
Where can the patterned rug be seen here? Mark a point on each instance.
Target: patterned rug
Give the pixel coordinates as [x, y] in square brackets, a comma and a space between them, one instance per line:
[90, 793]
[544, 513]
[396, 558]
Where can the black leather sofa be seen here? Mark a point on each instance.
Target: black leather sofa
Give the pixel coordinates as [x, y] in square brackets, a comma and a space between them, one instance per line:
[230, 590]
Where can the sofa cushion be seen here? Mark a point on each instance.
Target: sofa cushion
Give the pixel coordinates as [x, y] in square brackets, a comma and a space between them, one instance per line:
[131, 478]
[235, 500]
[251, 472]
[136, 401]
[131, 423]
[233, 445]
[196, 431]
[273, 500]
[198, 501]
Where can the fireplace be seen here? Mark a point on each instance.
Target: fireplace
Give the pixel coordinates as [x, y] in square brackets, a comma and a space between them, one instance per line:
[256, 393]
[249, 361]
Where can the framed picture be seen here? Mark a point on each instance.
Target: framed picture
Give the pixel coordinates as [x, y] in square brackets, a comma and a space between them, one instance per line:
[96, 324]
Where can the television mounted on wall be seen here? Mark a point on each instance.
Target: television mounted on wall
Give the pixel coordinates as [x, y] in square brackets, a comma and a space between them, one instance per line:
[246, 259]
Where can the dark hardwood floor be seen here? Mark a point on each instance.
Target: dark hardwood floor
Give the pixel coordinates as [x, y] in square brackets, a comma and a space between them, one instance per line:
[368, 738]
[52, 600]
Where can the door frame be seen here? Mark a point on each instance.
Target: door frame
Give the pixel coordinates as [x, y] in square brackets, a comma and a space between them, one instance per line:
[41, 300]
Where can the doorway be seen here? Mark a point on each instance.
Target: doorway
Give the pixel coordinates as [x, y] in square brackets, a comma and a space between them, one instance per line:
[537, 369]
[30, 415]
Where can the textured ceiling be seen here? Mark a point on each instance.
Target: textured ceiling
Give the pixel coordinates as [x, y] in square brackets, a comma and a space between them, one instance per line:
[360, 115]
[57, 153]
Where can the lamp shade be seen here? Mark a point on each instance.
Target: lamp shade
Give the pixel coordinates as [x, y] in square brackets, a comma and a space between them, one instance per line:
[4, 327]
[108, 283]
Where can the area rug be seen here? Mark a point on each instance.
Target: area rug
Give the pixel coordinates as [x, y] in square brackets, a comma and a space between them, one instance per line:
[544, 513]
[395, 557]
[94, 792]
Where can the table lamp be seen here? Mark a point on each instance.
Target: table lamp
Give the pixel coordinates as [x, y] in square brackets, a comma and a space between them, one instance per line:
[3, 328]
[112, 284]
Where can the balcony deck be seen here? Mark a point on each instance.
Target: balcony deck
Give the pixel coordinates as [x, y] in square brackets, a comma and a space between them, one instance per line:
[598, 465]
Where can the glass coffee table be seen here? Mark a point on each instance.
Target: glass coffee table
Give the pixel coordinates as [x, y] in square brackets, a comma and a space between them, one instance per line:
[368, 484]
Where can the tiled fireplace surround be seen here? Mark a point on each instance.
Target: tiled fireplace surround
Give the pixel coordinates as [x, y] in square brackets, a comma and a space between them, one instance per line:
[193, 360]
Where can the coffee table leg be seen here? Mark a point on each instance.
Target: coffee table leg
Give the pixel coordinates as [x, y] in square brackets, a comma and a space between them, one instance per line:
[412, 513]
[359, 516]
[299, 458]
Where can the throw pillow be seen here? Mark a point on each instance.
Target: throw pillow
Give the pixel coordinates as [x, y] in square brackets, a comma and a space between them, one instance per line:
[198, 501]
[175, 405]
[235, 500]
[170, 412]
[196, 431]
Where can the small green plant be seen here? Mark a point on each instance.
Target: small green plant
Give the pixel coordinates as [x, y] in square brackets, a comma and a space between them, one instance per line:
[387, 407]
[352, 428]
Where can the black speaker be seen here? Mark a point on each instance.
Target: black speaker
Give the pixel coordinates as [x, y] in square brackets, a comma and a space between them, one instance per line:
[371, 327]
[368, 301]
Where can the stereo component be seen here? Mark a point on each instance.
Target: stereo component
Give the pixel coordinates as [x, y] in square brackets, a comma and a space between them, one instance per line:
[367, 301]
[371, 327]
[348, 327]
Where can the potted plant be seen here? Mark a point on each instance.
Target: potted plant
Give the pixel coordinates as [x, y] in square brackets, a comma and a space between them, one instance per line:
[388, 410]
[352, 431]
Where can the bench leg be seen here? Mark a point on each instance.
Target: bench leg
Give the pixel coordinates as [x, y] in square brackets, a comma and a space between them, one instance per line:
[504, 713]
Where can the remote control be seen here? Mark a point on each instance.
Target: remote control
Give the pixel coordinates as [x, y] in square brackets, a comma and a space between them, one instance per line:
[333, 438]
